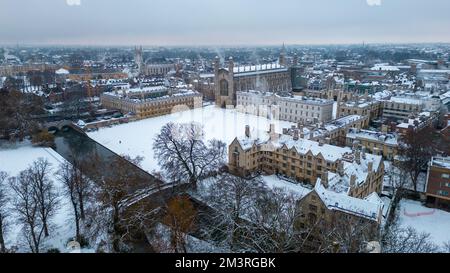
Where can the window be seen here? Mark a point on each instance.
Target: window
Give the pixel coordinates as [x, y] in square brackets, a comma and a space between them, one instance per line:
[445, 175]
[223, 87]
[443, 193]
[312, 208]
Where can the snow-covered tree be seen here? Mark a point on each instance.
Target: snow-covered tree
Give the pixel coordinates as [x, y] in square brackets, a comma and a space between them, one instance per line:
[183, 155]
[407, 240]
[45, 192]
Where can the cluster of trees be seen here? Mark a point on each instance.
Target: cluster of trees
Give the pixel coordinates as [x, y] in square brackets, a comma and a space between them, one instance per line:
[416, 149]
[96, 207]
[35, 202]
[16, 114]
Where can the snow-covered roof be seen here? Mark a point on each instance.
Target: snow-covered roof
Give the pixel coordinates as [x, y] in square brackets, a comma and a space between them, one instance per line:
[406, 100]
[384, 67]
[443, 162]
[390, 139]
[330, 153]
[62, 71]
[360, 207]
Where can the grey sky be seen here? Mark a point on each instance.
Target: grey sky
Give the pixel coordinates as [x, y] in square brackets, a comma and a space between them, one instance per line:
[226, 22]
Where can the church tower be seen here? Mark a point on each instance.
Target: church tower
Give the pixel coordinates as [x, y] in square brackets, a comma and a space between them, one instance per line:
[282, 59]
[138, 59]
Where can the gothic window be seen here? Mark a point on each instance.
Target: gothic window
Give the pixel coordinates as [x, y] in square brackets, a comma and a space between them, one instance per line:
[224, 87]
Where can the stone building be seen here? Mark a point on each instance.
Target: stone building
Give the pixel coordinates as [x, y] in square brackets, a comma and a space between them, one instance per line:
[352, 172]
[289, 108]
[333, 132]
[151, 101]
[155, 69]
[272, 77]
[371, 108]
[378, 143]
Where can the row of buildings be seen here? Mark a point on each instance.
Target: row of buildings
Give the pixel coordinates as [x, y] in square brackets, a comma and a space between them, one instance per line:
[342, 180]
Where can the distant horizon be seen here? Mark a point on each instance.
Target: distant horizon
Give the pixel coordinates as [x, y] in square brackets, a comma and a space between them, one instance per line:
[220, 45]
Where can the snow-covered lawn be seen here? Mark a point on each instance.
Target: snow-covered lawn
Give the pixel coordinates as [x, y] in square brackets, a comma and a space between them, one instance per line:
[136, 138]
[17, 158]
[423, 219]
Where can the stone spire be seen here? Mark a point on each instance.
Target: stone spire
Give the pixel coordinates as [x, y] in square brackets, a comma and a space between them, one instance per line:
[282, 59]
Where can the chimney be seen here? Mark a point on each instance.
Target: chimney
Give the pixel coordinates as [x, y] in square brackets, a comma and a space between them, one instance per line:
[324, 179]
[340, 168]
[272, 128]
[311, 134]
[354, 145]
[358, 156]
[302, 135]
[370, 166]
[247, 131]
[285, 131]
[321, 142]
[363, 154]
[300, 126]
[352, 180]
[295, 134]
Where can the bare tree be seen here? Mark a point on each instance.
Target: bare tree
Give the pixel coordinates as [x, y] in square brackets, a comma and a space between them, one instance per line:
[111, 191]
[274, 227]
[416, 150]
[74, 183]
[407, 240]
[180, 219]
[232, 196]
[348, 234]
[184, 156]
[44, 190]
[446, 247]
[16, 111]
[27, 208]
[4, 212]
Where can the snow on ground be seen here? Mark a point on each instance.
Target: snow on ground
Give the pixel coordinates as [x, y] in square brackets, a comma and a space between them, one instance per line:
[136, 138]
[423, 219]
[13, 160]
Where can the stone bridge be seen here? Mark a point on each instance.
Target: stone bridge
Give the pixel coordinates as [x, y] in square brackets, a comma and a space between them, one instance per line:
[60, 125]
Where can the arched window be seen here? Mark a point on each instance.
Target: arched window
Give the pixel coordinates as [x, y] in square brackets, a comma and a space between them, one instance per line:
[223, 87]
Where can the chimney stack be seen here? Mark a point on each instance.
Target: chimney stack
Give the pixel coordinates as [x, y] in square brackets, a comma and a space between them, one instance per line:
[321, 142]
[311, 134]
[363, 154]
[272, 128]
[358, 156]
[354, 145]
[352, 180]
[247, 131]
[324, 179]
[370, 166]
[296, 134]
[340, 168]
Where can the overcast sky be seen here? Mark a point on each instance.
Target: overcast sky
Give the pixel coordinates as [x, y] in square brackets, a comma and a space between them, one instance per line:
[224, 22]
